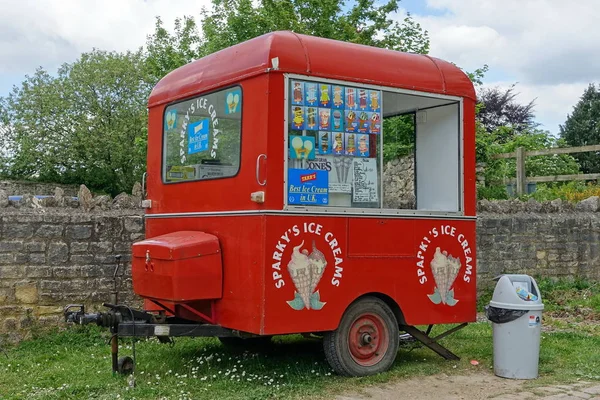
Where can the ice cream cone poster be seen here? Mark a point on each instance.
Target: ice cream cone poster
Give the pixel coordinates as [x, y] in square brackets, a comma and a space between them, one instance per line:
[312, 119]
[374, 100]
[338, 144]
[351, 98]
[307, 259]
[324, 95]
[324, 145]
[363, 122]
[363, 99]
[297, 93]
[351, 121]
[374, 123]
[308, 187]
[338, 97]
[444, 261]
[311, 92]
[302, 147]
[171, 120]
[298, 118]
[341, 175]
[363, 145]
[337, 120]
[233, 101]
[324, 119]
[350, 144]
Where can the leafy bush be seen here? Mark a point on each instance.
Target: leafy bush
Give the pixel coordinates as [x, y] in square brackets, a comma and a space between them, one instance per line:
[571, 191]
[499, 171]
[496, 192]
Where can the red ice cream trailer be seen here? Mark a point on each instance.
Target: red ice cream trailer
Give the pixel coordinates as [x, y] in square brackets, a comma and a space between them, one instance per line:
[275, 204]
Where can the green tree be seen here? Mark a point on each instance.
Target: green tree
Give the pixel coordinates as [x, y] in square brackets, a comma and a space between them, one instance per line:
[86, 125]
[500, 108]
[582, 128]
[229, 22]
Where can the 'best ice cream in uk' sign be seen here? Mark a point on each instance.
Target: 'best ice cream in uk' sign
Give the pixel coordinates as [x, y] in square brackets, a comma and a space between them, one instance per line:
[308, 187]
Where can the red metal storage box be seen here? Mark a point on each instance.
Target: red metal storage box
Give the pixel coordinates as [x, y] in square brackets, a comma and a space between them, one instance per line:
[179, 266]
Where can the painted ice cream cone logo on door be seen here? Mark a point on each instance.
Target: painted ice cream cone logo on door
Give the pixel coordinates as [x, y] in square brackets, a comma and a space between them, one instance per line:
[445, 269]
[306, 271]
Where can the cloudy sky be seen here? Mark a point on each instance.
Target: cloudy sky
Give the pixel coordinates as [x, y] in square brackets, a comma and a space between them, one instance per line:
[551, 48]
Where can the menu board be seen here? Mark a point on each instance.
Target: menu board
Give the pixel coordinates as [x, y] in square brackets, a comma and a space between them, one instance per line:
[334, 129]
[364, 185]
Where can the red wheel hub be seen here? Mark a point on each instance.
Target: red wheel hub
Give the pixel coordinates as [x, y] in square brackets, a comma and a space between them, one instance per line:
[368, 339]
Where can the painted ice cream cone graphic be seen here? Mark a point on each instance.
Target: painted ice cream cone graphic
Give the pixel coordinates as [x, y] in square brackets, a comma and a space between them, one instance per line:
[445, 269]
[306, 272]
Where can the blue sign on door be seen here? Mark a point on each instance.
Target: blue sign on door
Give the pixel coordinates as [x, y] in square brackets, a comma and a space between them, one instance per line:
[308, 187]
[198, 136]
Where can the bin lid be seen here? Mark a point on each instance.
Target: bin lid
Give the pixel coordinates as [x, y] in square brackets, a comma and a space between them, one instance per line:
[517, 292]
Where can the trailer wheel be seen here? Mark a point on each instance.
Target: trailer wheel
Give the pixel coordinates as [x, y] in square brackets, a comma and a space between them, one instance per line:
[366, 341]
[125, 365]
[238, 343]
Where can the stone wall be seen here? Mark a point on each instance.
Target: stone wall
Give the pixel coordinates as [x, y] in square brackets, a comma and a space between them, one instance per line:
[556, 245]
[50, 257]
[19, 188]
[399, 183]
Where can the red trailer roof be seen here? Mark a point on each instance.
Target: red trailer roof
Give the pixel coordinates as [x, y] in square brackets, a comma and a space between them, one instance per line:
[326, 58]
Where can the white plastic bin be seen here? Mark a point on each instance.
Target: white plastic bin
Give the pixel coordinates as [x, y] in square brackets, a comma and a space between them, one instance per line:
[516, 315]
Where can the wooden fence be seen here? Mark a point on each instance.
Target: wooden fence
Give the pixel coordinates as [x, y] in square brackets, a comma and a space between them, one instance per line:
[520, 154]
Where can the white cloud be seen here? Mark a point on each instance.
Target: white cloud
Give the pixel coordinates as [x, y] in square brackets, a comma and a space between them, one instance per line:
[47, 33]
[551, 47]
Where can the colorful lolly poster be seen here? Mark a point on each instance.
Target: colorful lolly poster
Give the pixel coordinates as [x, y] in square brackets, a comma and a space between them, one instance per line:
[363, 99]
[324, 95]
[363, 145]
[375, 123]
[324, 119]
[297, 93]
[324, 144]
[312, 119]
[351, 98]
[363, 122]
[310, 92]
[350, 144]
[351, 121]
[298, 118]
[337, 120]
[338, 97]
[338, 144]
[374, 100]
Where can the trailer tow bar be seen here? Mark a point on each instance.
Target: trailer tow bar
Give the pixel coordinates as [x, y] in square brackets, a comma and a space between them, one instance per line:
[432, 342]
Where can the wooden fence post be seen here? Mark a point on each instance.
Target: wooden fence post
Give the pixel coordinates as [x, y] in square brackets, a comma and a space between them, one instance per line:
[521, 180]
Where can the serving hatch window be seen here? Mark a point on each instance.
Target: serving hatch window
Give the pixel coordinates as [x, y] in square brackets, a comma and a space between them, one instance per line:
[353, 146]
[202, 137]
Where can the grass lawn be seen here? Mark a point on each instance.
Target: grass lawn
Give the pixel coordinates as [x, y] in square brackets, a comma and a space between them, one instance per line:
[76, 363]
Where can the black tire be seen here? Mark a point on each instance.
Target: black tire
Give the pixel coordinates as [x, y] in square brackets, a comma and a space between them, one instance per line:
[125, 365]
[251, 343]
[366, 341]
